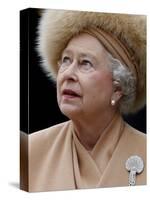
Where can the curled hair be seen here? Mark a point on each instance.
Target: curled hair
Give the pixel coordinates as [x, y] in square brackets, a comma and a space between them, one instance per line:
[127, 83]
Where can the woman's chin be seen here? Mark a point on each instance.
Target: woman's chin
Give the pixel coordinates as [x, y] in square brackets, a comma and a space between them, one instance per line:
[70, 111]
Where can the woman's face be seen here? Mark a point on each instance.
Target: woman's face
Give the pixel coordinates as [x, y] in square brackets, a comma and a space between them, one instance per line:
[84, 82]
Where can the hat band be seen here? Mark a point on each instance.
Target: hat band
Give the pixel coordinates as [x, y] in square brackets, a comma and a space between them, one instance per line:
[115, 48]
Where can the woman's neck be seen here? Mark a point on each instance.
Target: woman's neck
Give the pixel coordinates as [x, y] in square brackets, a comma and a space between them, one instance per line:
[88, 130]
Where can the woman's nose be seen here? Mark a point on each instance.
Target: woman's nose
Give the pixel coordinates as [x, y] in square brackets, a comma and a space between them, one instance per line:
[71, 72]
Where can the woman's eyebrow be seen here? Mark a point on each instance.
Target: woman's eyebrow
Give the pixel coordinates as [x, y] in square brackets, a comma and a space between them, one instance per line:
[88, 55]
[81, 54]
[67, 51]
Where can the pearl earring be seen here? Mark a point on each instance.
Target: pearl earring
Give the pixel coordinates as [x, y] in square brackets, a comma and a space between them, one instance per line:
[113, 102]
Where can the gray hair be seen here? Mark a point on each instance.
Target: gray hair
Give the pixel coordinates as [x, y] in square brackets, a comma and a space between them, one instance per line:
[127, 82]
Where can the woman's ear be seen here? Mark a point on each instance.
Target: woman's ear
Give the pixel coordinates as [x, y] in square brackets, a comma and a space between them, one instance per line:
[117, 91]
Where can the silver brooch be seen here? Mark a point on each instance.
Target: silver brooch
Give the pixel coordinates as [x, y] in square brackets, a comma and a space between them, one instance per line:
[134, 165]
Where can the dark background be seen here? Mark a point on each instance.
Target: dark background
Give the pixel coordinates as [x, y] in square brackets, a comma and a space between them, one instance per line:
[38, 103]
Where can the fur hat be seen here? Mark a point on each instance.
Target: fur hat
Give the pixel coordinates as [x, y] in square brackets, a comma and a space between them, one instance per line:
[57, 27]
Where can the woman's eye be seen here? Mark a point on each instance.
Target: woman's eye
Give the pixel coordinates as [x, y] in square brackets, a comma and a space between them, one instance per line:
[66, 59]
[64, 62]
[86, 63]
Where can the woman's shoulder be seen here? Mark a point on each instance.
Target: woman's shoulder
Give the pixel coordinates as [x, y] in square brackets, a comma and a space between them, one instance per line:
[49, 133]
[136, 135]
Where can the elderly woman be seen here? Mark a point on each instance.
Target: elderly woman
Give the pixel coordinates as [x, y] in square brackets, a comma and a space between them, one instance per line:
[98, 62]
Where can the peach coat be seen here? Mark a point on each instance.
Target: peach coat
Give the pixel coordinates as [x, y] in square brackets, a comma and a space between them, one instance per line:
[58, 161]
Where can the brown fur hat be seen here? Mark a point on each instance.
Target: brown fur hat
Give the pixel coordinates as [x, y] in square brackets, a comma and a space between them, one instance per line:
[57, 27]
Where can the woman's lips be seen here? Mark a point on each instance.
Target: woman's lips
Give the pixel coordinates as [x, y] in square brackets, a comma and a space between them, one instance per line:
[67, 93]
